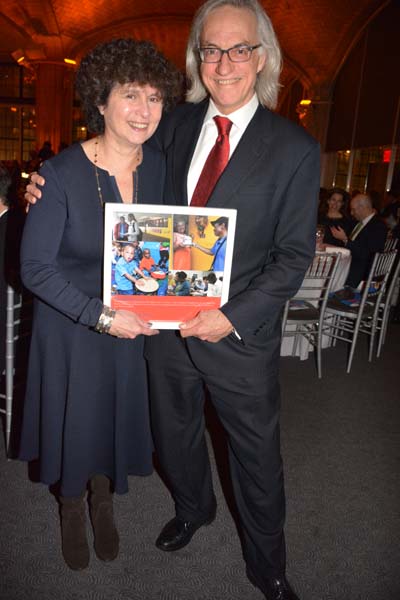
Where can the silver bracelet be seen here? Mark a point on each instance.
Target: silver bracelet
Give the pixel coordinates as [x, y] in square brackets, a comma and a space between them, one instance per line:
[106, 318]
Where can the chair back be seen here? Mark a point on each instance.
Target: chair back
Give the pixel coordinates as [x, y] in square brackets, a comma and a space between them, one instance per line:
[379, 273]
[391, 244]
[315, 288]
[318, 278]
[375, 285]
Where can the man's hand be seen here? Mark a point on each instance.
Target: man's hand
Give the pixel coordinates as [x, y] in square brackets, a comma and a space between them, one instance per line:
[339, 233]
[209, 326]
[33, 193]
[127, 324]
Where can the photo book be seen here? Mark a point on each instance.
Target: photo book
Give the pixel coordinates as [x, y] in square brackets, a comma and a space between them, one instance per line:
[167, 263]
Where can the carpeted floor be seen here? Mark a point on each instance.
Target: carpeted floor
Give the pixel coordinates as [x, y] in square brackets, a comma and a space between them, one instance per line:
[341, 447]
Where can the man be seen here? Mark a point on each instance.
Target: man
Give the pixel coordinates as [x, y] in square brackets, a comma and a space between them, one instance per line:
[218, 250]
[272, 163]
[367, 238]
[121, 230]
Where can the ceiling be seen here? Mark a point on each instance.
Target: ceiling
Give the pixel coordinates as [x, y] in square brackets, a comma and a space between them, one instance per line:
[315, 35]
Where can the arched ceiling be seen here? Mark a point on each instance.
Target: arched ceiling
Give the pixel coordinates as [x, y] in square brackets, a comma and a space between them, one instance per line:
[315, 35]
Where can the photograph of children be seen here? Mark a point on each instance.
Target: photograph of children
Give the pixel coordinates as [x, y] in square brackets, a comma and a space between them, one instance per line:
[140, 268]
[126, 272]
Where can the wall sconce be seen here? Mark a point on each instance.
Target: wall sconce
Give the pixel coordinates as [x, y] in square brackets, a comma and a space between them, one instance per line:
[18, 55]
[303, 107]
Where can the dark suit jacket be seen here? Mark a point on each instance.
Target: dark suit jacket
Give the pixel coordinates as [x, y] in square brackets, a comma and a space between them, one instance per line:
[272, 179]
[370, 240]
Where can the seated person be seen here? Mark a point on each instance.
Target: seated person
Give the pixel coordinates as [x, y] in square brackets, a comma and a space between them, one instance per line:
[333, 215]
[138, 251]
[214, 287]
[366, 238]
[147, 264]
[181, 285]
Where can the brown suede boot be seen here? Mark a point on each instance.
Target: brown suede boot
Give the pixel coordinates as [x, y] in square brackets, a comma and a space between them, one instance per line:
[106, 539]
[75, 547]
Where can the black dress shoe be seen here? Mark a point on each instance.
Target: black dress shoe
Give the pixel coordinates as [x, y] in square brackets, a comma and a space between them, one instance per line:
[275, 588]
[177, 533]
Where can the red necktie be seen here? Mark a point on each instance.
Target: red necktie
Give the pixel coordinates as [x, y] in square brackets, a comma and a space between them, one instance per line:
[214, 165]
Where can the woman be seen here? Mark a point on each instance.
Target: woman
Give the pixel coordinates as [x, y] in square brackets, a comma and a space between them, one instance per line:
[133, 229]
[86, 414]
[182, 245]
[334, 216]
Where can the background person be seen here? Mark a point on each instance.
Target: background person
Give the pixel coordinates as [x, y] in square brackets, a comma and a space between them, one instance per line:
[5, 182]
[334, 215]
[366, 238]
[86, 413]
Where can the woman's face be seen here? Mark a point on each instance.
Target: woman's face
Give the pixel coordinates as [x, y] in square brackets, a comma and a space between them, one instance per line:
[335, 202]
[181, 227]
[132, 113]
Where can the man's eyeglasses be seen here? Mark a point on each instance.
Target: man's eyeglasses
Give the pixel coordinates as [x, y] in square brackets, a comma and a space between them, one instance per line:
[211, 54]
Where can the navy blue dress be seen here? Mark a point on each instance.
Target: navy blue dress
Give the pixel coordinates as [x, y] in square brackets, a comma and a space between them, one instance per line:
[86, 409]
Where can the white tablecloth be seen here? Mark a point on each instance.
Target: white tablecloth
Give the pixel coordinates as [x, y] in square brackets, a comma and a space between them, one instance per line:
[300, 343]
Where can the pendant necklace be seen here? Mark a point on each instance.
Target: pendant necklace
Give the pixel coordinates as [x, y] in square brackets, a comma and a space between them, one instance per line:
[135, 173]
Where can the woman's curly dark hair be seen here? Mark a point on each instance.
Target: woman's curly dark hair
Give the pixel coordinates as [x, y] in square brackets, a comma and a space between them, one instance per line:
[123, 61]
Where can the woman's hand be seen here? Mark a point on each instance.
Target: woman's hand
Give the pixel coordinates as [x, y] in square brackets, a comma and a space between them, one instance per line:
[339, 234]
[127, 324]
[32, 192]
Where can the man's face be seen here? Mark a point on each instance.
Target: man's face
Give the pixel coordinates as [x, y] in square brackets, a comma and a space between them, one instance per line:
[231, 85]
[219, 230]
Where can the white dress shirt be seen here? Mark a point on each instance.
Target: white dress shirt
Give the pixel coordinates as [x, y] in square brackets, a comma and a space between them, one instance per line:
[363, 222]
[209, 133]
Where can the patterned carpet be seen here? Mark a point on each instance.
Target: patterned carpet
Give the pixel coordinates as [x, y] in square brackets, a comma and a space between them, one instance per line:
[341, 447]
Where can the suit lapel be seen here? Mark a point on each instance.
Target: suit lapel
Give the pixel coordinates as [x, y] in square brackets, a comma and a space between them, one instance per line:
[253, 146]
[186, 136]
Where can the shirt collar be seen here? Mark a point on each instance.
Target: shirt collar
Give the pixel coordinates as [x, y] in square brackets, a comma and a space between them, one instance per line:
[367, 219]
[240, 117]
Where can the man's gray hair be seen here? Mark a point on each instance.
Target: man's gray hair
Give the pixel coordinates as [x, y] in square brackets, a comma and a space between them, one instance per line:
[267, 84]
[364, 200]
